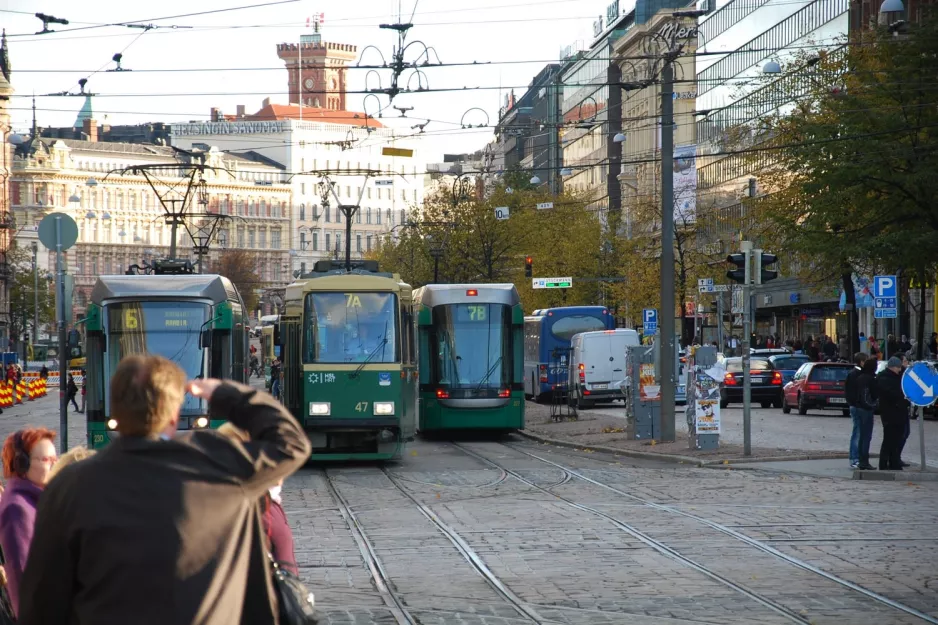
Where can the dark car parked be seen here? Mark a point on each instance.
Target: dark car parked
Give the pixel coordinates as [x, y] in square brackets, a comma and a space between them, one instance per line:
[765, 383]
[818, 385]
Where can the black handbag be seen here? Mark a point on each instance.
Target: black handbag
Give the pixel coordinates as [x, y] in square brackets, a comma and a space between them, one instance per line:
[297, 604]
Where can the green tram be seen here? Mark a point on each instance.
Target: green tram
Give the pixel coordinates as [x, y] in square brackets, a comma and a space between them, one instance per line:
[349, 361]
[195, 320]
[471, 341]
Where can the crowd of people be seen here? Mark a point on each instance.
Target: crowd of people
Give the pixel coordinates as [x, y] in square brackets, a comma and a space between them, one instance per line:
[157, 527]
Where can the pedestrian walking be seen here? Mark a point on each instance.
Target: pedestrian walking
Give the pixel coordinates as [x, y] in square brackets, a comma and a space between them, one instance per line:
[275, 378]
[861, 415]
[84, 388]
[184, 540]
[72, 391]
[908, 423]
[905, 345]
[830, 350]
[28, 456]
[44, 373]
[894, 412]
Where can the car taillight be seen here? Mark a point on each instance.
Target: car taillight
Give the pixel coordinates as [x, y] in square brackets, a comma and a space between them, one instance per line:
[504, 393]
[543, 370]
[729, 379]
[582, 372]
[777, 377]
[812, 387]
[442, 393]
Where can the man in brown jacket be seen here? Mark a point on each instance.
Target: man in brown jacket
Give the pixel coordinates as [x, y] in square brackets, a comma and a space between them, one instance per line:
[158, 530]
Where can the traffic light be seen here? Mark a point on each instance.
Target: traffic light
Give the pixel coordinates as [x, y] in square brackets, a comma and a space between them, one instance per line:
[528, 267]
[741, 260]
[764, 272]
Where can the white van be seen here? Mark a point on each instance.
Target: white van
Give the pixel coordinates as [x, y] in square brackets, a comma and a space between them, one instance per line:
[597, 365]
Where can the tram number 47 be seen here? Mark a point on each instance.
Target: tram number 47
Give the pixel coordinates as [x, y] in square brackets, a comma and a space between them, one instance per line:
[361, 406]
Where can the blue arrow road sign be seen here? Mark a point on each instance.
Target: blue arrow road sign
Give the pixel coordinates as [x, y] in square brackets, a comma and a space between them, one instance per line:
[885, 286]
[920, 383]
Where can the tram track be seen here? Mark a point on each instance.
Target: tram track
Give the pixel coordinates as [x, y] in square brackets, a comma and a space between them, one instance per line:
[724, 529]
[644, 538]
[467, 552]
[383, 584]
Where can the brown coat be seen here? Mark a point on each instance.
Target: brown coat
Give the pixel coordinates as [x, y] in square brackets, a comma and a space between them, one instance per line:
[165, 531]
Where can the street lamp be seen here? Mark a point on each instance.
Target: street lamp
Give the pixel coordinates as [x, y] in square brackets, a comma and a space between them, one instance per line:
[535, 180]
[772, 67]
[35, 247]
[566, 171]
[436, 252]
[618, 138]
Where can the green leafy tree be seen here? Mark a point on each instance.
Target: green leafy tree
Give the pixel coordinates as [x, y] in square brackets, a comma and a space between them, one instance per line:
[240, 266]
[24, 296]
[851, 161]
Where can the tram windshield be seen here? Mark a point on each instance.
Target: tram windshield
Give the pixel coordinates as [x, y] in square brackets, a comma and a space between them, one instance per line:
[351, 327]
[168, 329]
[472, 345]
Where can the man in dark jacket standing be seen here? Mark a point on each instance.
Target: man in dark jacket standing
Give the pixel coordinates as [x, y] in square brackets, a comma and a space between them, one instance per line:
[862, 427]
[894, 411]
[156, 529]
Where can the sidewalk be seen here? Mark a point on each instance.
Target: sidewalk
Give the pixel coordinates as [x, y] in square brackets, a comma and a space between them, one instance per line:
[606, 432]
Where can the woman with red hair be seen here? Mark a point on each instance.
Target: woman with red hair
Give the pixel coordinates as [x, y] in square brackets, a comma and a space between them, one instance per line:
[28, 456]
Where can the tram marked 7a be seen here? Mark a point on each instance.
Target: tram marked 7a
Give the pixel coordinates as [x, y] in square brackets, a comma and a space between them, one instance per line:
[471, 339]
[195, 320]
[349, 361]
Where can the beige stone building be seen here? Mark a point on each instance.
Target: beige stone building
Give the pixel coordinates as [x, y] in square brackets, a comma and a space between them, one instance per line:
[641, 119]
[121, 220]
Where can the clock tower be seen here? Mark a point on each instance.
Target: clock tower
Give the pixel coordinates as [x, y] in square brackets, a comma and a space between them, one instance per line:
[316, 71]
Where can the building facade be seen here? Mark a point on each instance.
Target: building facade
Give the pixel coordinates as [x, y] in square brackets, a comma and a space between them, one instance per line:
[733, 93]
[120, 216]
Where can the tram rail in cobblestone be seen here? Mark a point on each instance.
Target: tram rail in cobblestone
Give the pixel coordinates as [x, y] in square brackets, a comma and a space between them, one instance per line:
[382, 582]
[657, 545]
[521, 606]
[752, 542]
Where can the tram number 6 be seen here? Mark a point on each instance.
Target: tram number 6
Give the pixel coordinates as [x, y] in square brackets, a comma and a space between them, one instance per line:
[361, 406]
[130, 319]
[477, 313]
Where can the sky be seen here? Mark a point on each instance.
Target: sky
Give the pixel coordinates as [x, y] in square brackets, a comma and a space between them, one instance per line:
[239, 49]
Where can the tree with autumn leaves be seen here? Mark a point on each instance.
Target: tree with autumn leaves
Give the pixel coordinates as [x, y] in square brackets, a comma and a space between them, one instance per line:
[849, 162]
[474, 246]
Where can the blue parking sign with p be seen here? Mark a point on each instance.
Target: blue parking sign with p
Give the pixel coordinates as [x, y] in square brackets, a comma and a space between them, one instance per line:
[650, 320]
[885, 286]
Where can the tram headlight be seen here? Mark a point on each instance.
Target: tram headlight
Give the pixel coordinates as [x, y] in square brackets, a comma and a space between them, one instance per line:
[201, 422]
[112, 424]
[384, 407]
[319, 408]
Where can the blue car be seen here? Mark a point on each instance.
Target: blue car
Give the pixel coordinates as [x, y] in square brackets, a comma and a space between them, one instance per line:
[788, 364]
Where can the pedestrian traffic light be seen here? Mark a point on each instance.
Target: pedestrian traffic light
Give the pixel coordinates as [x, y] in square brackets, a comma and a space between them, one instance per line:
[764, 272]
[528, 267]
[741, 260]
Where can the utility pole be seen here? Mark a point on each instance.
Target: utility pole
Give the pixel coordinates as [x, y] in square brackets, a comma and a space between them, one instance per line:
[746, 248]
[35, 247]
[668, 424]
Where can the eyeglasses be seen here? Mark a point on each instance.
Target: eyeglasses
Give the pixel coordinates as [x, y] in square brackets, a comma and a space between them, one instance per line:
[49, 459]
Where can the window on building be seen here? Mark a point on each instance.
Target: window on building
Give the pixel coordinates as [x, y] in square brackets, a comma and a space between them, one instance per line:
[358, 215]
[302, 168]
[265, 211]
[275, 239]
[302, 188]
[390, 220]
[251, 237]
[276, 272]
[338, 241]
[369, 193]
[302, 212]
[348, 191]
[328, 214]
[415, 196]
[378, 216]
[368, 242]
[240, 237]
[404, 194]
[328, 239]
[338, 215]
[315, 241]
[302, 241]
[367, 215]
[263, 239]
[403, 216]
[358, 242]
[302, 269]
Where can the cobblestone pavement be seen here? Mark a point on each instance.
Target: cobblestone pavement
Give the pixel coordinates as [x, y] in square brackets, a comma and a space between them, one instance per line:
[675, 545]
[771, 429]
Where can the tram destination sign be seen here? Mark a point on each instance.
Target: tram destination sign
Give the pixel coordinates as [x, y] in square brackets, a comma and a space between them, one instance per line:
[552, 283]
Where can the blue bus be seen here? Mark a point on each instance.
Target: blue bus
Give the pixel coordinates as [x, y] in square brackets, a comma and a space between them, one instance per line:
[551, 329]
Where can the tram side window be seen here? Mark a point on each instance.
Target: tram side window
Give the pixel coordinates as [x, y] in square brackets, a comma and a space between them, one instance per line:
[407, 344]
[219, 365]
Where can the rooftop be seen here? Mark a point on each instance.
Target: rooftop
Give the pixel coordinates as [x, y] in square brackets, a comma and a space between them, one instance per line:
[277, 112]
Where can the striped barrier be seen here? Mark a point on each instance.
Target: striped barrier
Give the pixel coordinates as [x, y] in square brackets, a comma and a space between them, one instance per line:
[6, 394]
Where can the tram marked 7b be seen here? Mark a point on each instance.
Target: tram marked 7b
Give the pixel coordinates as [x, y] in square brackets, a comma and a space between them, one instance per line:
[471, 342]
[349, 361]
[197, 321]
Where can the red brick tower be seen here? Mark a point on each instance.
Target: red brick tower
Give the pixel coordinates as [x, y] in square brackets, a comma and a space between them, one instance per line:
[322, 77]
